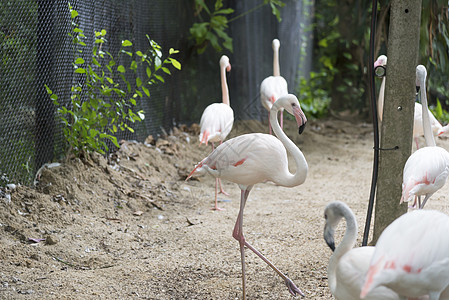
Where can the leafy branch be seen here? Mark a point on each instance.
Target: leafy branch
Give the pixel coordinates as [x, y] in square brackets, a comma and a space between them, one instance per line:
[105, 103]
[213, 30]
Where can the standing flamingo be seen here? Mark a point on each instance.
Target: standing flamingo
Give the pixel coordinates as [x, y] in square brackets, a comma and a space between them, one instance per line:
[217, 120]
[412, 256]
[256, 157]
[418, 131]
[427, 169]
[348, 265]
[274, 86]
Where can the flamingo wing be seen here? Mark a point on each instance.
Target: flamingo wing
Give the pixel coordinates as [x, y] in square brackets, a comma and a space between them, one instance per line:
[417, 122]
[412, 255]
[216, 123]
[271, 89]
[351, 270]
[425, 172]
[247, 159]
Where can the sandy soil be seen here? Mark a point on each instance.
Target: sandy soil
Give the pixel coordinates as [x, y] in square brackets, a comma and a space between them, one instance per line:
[130, 227]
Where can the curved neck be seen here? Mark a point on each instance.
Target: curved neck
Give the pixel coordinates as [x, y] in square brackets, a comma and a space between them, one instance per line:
[346, 244]
[276, 69]
[380, 100]
[224, 86]
[288, 179]
[428, 135]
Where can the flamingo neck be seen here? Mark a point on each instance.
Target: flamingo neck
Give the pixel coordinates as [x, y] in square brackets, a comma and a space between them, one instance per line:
[276, 68]
[224, 86]
[380, 100]
[346, 244]
[428, 135]
[287, 179]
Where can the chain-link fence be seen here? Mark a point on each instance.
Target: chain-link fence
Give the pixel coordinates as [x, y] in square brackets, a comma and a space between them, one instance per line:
[36, 50]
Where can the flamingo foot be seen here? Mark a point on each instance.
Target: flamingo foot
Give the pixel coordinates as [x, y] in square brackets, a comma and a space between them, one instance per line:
[217, 208]
[292, 288]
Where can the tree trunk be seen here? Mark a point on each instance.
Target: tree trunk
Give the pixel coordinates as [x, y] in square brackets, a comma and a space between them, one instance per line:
[397, 123]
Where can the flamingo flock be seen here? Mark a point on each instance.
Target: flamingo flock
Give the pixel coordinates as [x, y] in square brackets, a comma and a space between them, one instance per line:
[411, 258]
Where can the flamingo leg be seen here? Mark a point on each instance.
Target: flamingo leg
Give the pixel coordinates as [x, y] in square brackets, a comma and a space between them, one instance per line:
[416, 142]
[219, 182]
[216, 196]
[424, 201]
[221, 188]
[238, 235]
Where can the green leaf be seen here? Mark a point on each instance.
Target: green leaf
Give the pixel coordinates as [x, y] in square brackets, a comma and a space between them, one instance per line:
[79, 61]
[146, 91]
[175, 63]
[126, 43]
[172, 51]
[121, 69]
[138, 82]
[80, 71]
[73, 14]
[148, 72]
[166, 70]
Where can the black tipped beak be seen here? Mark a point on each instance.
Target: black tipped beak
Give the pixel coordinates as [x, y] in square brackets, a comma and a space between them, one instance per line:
[331, 245]
[301, 128]
[417, 88]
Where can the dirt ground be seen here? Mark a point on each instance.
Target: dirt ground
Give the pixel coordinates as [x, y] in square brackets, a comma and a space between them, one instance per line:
[130, 227]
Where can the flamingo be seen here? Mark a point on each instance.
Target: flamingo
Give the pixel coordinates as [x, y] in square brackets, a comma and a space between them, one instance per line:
[348, 265]
[427, 169]
[256, 157]
[418, 131]
[217, 120]
[412, 256]
[274, 86]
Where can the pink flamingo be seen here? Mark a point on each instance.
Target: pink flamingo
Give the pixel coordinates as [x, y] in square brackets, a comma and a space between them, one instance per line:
[217, 120]
[418, 130]
[427, 169]
[252, 158]
[274, 86]
[348, 265]
[412, 256]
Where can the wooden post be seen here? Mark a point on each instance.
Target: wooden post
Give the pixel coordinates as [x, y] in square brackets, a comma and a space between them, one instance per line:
[397, 123]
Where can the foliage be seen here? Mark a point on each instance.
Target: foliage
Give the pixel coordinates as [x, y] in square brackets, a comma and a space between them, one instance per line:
[103, 104]
[215, 23]
[313, 98]
[434, 50]
[341, 31]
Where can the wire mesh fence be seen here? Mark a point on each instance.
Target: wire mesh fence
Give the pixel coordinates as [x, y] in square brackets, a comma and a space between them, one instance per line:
[36, 50]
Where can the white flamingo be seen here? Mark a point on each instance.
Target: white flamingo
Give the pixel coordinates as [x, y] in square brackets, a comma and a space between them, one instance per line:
[418, 130]
[348, 265]
[252, 158]
[427, 169]
[217, 120]
[274, 86]
[412, 256]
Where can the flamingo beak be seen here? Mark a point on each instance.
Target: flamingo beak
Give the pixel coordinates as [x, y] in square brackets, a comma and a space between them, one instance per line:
[300, 117]
[228, 68]
[329, 237]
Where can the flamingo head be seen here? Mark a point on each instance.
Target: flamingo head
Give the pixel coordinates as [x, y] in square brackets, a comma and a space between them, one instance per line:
[291, 104]
[381, 61]
[224, 63]
[421, 74]
[333, 213]
[276, 44]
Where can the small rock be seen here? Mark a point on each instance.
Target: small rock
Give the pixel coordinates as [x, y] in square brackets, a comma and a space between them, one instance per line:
[51, 240]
